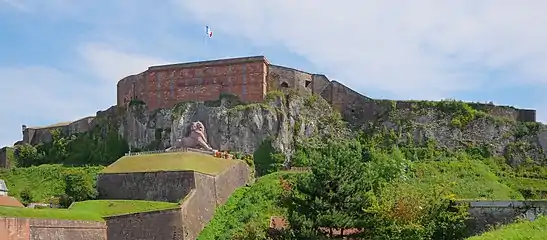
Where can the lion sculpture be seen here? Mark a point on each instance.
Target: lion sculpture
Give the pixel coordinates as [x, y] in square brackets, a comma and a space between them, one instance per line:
[196, 139]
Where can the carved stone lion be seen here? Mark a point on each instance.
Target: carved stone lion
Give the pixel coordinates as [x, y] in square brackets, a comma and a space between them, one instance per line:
[196, 139]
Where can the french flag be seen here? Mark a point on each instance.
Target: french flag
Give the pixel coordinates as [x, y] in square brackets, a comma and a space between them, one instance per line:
[208, 31]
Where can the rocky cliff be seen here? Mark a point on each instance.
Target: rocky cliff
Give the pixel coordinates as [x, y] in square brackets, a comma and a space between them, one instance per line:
[282, 119]
[455, 125]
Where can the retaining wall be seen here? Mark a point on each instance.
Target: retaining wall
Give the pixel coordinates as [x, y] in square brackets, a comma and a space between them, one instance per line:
[202, 193]
[45, 229]
[486, 214]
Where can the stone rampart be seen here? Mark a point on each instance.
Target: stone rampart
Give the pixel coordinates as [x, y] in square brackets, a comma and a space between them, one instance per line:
[280, 78]
[6, 153]
[27, 229]
[170, 186]
[162, 224]
[200, 194]
[36, 135]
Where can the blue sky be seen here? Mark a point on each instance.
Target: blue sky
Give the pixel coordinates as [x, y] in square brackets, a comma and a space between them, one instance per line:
[60, 59]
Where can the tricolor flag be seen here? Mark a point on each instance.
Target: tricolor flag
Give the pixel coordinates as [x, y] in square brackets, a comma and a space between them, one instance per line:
[208, 31]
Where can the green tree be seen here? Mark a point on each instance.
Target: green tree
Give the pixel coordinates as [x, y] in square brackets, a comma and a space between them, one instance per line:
[334, 196]
[79, 186]
[27, 155]
[26, 196]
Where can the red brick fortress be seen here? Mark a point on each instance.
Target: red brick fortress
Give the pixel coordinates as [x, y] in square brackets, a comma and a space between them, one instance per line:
[164, 86]
[250, 78]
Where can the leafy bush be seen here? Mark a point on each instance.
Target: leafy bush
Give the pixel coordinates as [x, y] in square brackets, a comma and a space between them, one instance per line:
[266, 159]
[79, 186]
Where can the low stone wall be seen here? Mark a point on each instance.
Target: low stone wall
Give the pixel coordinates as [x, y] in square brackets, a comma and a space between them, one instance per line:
[37, 229]
[163, 224]
[485, 214]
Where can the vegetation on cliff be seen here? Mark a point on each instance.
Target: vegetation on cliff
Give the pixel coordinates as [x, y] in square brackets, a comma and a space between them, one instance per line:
[100, 146]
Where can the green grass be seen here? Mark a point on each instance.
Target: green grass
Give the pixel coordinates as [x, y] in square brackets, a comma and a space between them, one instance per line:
[247, 206]
[170, 162]
[50, 213]
[93, 210]
[107, 208]
[44, 181]
[536, 230]
[528, 183]
[465, 178]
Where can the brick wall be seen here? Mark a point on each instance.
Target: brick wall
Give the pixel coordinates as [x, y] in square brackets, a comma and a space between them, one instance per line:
[14, 228]
[155, 186]
[34, 229]
[164, 86]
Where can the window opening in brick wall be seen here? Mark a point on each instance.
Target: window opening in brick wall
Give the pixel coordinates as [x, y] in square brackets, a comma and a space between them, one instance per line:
[308, 82]
[284, 85]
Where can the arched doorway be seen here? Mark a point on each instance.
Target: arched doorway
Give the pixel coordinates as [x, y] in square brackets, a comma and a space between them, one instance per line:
[284, 85]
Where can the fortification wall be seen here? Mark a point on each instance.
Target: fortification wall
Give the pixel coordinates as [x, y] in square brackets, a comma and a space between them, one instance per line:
[522, 115]
[5, 153]
[485, 214]
[25, 229]
[36, 135]
[164, 86]
[163, 224]
[319, 83]
[154, 186]
[202, 193]
[280, 78]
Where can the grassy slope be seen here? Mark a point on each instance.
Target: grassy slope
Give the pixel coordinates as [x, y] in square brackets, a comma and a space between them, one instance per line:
[43, 181]
[536, 230]
[49, 213]
[107, 208]
[170, 162]
[247, 205]
[93, 210]
[467, 179]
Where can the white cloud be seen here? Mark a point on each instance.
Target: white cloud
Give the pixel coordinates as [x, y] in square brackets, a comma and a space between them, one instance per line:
[38, 95]
[31, 94]
[418, 49]
[110, 64]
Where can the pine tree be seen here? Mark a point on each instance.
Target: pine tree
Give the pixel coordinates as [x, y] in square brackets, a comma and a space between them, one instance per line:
[334, 195]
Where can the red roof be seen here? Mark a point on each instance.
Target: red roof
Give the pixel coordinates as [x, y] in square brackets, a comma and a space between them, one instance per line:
[10, 202]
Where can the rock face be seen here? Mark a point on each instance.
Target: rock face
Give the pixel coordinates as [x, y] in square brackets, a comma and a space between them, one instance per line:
[283, 119]
[455, 125]
[286, 119]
